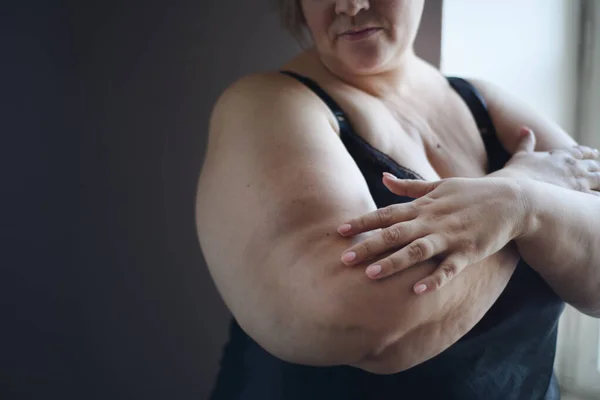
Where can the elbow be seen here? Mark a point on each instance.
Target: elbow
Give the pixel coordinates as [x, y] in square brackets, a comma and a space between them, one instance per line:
[339, 323]
[349, 338]
[593, 312]
[358, 344]
[324, 343]
[419, 344]
[588, 305]
[316, 338]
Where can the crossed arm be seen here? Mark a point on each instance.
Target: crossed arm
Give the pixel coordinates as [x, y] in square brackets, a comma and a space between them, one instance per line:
[548, 203]
[563, 241]
[267, 209]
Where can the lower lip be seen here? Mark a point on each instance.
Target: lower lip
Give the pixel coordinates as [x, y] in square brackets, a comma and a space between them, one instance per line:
[360, 35]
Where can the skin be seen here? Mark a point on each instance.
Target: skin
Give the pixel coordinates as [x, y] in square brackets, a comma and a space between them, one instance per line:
[468, 231]
[552, 221]
[277, 182]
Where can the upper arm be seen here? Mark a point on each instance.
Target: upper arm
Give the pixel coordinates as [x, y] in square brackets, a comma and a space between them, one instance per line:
[274, 186]
[509, 114]
[276, 183]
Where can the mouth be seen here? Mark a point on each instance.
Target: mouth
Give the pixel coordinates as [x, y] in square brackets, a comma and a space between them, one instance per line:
[357, 34]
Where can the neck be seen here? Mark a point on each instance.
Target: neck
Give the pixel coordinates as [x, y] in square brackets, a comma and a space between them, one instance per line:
[393, 81]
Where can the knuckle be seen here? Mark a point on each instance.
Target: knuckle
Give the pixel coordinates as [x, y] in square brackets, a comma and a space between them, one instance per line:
[363, 222]
[464, 222]
[365, 249]
[570, 160]
[427, 247]
[391, 235]
[390, 264]
[417, 251]
[436, 216]
[438, 280]
[448, 271]
[577, 152]
[414, 205]
[467, 245]
[359, 223]
[384, 215]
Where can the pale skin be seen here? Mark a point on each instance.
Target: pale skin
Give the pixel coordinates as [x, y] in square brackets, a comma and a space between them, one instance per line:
[277, 183]
[467, 231]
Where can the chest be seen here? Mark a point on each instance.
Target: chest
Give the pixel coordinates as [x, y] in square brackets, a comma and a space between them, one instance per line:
[435, 139]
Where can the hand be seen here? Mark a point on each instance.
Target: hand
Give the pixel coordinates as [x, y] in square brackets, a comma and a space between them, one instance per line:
[462, 220]
[576, 168]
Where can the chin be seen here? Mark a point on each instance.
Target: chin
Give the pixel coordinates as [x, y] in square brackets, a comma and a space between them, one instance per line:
[367, 56]
[365, 64]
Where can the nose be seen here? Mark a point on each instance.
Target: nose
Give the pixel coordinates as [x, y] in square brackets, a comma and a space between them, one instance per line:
[351, 7]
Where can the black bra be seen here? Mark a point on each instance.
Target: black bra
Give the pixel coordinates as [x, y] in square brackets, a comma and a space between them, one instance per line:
[497, 155]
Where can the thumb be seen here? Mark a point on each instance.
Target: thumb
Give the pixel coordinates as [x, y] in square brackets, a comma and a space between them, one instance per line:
[409, 187]
[526, 142]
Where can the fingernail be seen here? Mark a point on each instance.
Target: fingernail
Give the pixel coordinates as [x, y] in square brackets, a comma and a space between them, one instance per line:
[420, 288]
[390, 175]
[349, 257]
[374, 270]
[525, 131]
[344, 229]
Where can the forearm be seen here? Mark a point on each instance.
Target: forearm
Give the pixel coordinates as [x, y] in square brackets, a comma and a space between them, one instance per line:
[561, 241]
[420, 327]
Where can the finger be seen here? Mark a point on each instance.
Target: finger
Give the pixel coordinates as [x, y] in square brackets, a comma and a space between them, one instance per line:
[413, 188]
[447, 270]
[392, 237]
[378, 219]
[527, 141]
[594, 180]
[418, 251]
[587, 153]
[590, 165]
[576, 153]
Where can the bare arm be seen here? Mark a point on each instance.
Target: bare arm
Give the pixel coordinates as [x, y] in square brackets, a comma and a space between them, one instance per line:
[276, 183]
[562, 243]
[509, 114]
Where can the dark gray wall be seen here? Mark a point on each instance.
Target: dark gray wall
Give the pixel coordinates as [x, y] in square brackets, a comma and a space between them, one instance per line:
[40, 340]
[107, 292]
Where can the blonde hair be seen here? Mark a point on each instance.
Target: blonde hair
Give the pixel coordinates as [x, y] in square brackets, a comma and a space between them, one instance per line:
[292, 19]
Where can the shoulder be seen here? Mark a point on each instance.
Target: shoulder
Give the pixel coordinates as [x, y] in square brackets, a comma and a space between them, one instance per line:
[266, 100]
[486, 88]
[263, 125]
[264, 91]
[259, 86]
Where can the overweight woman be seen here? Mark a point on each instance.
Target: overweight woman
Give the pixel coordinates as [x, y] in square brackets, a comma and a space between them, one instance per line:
[381, 231]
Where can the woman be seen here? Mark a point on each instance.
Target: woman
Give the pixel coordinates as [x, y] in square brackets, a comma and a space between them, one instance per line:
[342, 286]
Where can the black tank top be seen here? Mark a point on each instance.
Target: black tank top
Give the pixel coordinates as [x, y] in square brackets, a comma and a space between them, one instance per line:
[508, 355]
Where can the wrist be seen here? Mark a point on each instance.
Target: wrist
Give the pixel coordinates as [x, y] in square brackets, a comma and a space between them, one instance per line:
[527, 222]
[506, 172]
